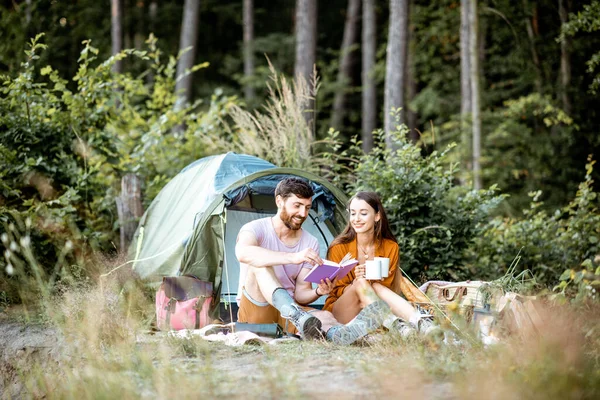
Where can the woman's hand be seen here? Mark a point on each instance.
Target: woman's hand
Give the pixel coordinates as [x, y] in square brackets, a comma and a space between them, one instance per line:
[359, 271]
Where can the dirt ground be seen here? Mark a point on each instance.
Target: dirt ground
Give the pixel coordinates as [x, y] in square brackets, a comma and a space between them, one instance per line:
[290, 370]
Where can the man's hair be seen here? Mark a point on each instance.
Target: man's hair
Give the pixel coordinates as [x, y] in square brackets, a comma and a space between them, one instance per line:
[294, 186]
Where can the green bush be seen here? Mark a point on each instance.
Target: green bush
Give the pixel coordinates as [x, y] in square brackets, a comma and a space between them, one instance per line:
[548, 243]
[65, 144]
[523, 142]
[434, 220]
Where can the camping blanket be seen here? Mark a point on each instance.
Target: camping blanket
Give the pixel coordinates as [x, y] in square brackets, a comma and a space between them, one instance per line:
[224, 333]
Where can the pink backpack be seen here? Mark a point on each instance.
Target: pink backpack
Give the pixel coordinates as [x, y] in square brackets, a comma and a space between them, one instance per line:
[183, 302]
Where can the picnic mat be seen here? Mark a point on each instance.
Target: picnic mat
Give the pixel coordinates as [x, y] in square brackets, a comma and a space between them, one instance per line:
[224, 333]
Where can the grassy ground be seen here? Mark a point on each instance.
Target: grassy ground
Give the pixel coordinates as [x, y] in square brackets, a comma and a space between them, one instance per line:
[95, 342]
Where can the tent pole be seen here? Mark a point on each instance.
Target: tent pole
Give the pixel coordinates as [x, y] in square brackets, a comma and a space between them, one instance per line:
[223, 218]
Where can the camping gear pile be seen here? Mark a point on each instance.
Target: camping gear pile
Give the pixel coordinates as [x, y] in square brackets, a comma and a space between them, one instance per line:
[492, 312]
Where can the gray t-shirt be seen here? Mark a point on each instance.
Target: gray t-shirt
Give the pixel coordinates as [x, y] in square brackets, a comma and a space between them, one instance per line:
[267, 238]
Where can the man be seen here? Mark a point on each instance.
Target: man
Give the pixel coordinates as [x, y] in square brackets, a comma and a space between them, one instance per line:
[278, 254]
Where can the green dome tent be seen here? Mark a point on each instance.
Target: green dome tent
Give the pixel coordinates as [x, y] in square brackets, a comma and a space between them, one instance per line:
[192, 225]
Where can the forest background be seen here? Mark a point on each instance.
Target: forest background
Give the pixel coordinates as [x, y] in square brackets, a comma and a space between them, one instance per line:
[487, 168]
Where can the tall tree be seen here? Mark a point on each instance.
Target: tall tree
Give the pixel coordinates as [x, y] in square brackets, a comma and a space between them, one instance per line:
[395, 66]
[475, 105]
[369, 91]
[28, 12]
[465, 64]
[531, 13]
[248, 48]
[466, 94]
[188, 39]
[411, 81]
[345, 70]
[116, 32]
[152, 16]
[306, 49]
[565, 60]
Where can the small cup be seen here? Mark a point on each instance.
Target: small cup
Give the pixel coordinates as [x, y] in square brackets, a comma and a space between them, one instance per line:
[385, 266]
[372, 269]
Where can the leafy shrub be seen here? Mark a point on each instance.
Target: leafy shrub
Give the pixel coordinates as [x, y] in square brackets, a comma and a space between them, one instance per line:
[548, 243]
[434, 220]
[523, 142]
[64, 146]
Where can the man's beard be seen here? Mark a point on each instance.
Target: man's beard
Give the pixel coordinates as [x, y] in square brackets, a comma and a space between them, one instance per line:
[289, 221]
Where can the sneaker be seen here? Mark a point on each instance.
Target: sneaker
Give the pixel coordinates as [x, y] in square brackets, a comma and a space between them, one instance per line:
[404, 329]
[427, 327]
[347, 334]
[368, 320]
[308, 326]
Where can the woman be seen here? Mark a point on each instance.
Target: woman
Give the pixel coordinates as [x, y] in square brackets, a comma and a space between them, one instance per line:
[368, 235]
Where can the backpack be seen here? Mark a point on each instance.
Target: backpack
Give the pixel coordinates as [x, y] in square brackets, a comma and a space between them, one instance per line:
[183, 302]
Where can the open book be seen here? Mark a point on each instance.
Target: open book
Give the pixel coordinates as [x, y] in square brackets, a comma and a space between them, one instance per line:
[331, 270]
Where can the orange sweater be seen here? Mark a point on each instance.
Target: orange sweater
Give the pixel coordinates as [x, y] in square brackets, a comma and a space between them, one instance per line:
[387, 249]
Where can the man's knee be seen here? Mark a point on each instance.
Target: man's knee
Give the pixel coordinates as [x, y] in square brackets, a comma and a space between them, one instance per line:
[252, 285]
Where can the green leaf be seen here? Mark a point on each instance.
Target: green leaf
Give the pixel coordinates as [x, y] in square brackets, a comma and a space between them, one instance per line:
[46, 70]
[561, 285]
[566, 275]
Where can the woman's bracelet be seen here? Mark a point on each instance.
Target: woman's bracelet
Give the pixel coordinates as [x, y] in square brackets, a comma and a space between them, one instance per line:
[316, 291]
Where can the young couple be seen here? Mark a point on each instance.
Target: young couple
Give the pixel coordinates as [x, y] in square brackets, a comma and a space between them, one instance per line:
[278, 254]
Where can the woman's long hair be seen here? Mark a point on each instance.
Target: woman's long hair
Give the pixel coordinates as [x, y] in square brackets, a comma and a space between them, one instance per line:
[381, 229]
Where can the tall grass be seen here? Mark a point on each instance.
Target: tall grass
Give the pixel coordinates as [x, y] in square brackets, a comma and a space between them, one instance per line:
[108, 350]
[282, 132]
[103, 346]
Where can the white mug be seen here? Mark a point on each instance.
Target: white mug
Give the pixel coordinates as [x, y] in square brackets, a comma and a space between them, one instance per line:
[385, 266]
[372, 269]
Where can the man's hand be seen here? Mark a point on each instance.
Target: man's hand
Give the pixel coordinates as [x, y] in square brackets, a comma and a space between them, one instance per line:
[307, 255]
[325, 287]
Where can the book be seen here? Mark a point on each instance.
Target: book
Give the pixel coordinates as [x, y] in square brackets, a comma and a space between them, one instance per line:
[330, 269]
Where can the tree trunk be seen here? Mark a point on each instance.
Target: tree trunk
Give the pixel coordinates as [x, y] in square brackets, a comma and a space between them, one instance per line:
[411, 82]
[345, 71]
[565, 61]
[129, 208]
[466, 94]
[127, 37]
[475, 106]
[534, 54]
[306, 50]
[395, 68]
[188, 39]
[28, 12]
[116, 33]
[248, 49]
[152, 14]
[139, 34]
[465, 64]
[369, 92]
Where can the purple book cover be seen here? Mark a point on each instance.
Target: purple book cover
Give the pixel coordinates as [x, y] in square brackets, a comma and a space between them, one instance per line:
[331, 270]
